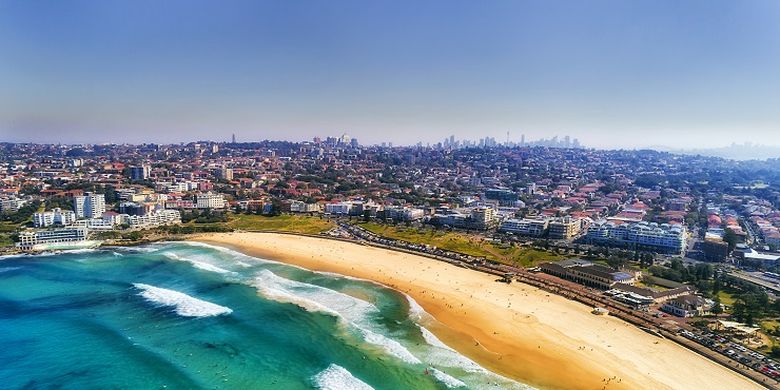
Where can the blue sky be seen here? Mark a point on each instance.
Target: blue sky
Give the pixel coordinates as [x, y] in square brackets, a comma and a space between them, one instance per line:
[613, 73]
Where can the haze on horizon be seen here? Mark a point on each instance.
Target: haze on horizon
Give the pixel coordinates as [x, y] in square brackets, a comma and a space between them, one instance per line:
[682, 74]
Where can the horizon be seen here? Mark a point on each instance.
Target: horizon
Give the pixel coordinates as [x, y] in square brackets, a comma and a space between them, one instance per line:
[687, 75]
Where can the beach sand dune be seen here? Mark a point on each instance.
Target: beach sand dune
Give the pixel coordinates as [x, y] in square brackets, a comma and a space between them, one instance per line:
[515, 330]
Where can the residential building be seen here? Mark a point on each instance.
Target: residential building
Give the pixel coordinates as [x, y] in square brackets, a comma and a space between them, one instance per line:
[532, 227]
[89, 205]
[209, 200]
[141, 172]
[340, 208]
[663, 238]
[503, 196]
[404, 213]
[54, 217]
[297, 206]
[225, 173]
[564, 228]
[11, 205]
[160, 218]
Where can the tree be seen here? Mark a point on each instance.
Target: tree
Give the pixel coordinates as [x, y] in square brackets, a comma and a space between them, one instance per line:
[616, 262]
[731, 238]
[717, 308]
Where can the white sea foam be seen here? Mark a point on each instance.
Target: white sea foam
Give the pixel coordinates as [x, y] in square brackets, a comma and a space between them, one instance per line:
[196, 263]
[351, 311]
[390, 346]
[279, 295]
[349, 307]
[184, 304]
[446, 379]
[9, 269]
[442, 355]
[416, 312]
[338, 378]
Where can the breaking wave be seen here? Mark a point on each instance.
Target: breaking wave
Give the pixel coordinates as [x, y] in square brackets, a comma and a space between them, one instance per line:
[184, 304]
[347, 309]
[338, 378]
[196, 263]
[447, 380]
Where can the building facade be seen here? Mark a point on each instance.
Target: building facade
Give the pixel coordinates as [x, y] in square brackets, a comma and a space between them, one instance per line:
[89, 205]
[663, 238]
[536, 227]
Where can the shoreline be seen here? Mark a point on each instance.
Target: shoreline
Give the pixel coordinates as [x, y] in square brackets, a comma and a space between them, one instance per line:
[517, 331]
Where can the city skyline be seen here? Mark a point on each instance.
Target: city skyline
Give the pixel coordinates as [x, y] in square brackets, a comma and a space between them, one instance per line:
[614, 75]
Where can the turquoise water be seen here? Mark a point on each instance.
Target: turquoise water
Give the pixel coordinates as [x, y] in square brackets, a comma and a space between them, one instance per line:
[181, 315]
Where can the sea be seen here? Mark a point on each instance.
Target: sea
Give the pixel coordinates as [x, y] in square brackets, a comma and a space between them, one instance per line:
[184, 315]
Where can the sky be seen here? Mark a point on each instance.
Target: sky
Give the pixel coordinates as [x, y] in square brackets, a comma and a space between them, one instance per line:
[615, 74]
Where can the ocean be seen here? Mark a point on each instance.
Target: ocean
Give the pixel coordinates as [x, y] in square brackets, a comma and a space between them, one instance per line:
[190, 316]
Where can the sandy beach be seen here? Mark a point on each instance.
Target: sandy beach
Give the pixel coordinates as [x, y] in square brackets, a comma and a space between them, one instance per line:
[516, 330]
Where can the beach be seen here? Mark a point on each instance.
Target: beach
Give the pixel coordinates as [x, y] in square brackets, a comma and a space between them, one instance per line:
[515, 330]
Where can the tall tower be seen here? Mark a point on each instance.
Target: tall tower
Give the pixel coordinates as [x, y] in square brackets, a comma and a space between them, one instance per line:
[234, 137]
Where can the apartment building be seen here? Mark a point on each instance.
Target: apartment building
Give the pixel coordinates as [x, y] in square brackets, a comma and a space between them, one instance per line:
[54, 217]
[663, 238]
[564, 228]
[209, 200]
[532, 227]
[89, 205]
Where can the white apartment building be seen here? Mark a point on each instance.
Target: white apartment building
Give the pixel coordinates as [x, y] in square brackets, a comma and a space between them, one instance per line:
[54, 217]
[663, 238]
[89, 205]
[532, 227]
[160, 218]
[342, 208]
[404, 213]
[209, 200]
[12, 205]
[297, 206]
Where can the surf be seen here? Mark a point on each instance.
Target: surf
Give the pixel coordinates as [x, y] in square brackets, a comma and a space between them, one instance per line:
[183, 304]
[336, 377]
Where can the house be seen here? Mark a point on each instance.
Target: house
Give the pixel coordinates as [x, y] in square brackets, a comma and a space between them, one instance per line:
[687, 306]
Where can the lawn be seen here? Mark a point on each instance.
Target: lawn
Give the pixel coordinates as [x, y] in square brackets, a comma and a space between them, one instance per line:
[281, 223]
[726, 298]
[470, 244]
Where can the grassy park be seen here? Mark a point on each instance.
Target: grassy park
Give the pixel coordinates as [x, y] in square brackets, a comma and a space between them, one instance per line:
[473, 245]
[281, 223]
